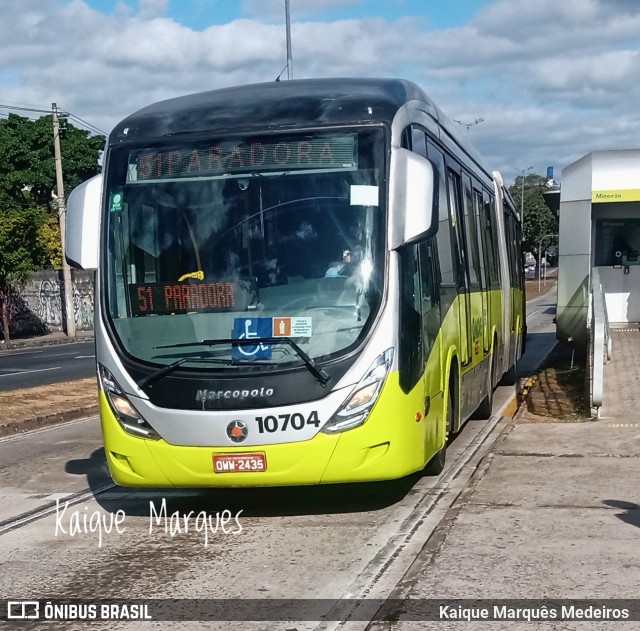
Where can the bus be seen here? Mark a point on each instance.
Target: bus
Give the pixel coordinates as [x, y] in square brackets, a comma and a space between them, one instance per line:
[297, 283]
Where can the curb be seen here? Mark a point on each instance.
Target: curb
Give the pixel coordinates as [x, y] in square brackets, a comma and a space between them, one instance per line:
[34, 342]
[23, 426]
[526, 388]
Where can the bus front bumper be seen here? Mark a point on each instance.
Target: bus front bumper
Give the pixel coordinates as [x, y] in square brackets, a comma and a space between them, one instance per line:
[377, 450]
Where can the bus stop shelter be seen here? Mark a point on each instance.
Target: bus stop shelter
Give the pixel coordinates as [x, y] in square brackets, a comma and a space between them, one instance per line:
[599, 243]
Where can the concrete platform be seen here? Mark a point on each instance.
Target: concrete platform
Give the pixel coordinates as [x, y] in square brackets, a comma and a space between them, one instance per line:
[553, 512]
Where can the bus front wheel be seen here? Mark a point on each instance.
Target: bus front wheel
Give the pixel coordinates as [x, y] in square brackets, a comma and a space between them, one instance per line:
[435, 466]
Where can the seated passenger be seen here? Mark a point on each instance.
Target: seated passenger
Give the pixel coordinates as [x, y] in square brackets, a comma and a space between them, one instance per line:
[342, 268]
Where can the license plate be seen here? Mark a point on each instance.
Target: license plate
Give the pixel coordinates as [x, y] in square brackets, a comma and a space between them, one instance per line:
[239, 462]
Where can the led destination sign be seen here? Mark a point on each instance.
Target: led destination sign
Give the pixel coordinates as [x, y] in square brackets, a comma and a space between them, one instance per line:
[256, 155]
[165, 298]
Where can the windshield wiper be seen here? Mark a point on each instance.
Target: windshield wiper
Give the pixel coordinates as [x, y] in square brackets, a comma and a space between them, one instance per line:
[156, 375]
[161, 372]
[317, 372]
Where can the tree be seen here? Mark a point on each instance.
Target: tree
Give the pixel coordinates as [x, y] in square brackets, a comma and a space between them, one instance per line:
[29, 230]
[20, 255]
[27, 161]
[28, 172]
[539, 222]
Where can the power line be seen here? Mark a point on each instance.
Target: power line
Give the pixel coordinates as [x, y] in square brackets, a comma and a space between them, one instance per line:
[89, 125]
[64, 113]
[25, 109]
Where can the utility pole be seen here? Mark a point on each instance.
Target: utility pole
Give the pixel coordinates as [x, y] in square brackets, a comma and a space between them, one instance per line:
[524, 171]
[66, 270]
[546, 236]
[288, 25]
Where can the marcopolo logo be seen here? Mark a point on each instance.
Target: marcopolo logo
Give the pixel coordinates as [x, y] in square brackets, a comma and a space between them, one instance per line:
[222, 395]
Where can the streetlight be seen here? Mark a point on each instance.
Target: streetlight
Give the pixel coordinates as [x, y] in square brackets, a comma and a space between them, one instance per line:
[468, 125]
[288, 29]
[523, 171]
[289, 66]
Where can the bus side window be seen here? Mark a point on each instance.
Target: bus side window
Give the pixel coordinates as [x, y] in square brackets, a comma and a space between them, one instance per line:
[418, 141]
[457, 226]
[444, 232]
[480, 239]
[470, 234]
[411, 355]
[430, 292]
[490, 240]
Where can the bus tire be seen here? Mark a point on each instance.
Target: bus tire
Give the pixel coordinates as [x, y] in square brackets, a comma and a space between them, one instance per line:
[435, 466]
[484, 410]
[509, 378]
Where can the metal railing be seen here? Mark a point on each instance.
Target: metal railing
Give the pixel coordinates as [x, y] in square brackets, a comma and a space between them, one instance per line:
[600, 340]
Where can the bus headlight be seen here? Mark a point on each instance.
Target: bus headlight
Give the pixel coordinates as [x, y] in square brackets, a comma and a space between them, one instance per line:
[128, 417]
[355, 410]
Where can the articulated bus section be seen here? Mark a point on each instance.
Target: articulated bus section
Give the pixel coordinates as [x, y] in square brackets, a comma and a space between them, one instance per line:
[295, 297]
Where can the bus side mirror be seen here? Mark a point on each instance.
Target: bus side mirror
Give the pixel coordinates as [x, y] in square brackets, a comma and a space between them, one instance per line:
[413, 209]
[82, 230]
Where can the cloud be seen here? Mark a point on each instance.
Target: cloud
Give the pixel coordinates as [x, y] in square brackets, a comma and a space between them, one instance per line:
[298, 9]
[152, 8]
[553, 80]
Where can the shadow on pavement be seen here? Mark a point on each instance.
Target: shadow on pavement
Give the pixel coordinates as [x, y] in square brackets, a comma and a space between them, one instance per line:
[632, 514]
[253, 502]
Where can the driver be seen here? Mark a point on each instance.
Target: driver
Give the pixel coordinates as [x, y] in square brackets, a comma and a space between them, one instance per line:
[341, 268]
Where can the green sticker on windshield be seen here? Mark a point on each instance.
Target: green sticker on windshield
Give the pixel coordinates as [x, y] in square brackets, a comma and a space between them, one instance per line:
[115, 202]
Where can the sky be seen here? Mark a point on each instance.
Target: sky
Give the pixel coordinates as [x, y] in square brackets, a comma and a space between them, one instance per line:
[552, 80]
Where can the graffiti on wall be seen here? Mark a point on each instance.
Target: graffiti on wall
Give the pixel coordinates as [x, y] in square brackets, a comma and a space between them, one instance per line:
[22, 321]
[39, 307]
[49, 304]
[83, 307]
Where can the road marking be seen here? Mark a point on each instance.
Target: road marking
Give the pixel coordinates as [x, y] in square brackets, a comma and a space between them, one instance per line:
[48, 428]
[24, 372]
[20, 351]
[38, 513]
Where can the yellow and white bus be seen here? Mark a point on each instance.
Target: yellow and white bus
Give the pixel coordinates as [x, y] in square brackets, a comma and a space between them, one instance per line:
[300, 282]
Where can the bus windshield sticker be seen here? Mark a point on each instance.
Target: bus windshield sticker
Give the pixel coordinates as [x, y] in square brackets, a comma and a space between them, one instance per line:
[362, 195]
[264, 328]
[115, 202]
[227, 157]
[247, 328]
[292, 327]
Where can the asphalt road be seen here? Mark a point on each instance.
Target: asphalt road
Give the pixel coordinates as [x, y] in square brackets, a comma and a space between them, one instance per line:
[42, 365]
[262, 547]
[58, 537]
[541, 332]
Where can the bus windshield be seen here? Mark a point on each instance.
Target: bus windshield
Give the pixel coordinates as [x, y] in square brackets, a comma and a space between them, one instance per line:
[237, 238]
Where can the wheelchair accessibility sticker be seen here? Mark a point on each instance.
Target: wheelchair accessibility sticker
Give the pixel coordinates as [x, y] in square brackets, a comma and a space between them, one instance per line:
[261, 328]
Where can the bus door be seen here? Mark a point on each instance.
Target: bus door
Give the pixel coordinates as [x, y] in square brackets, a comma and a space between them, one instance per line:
[490, 237]
[475, 269]
[461, 267]
[483, 275]
[431, 328]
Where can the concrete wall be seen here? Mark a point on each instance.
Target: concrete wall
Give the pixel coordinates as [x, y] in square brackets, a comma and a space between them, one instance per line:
[574, 261]
[38, 307]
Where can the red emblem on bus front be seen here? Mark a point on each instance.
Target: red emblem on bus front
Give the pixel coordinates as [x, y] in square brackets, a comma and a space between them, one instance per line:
[237, 431]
